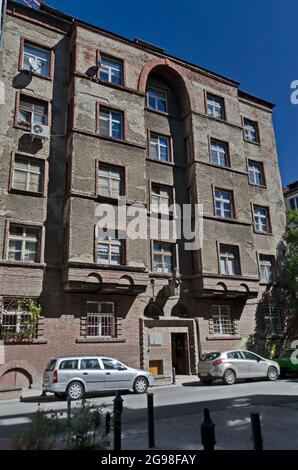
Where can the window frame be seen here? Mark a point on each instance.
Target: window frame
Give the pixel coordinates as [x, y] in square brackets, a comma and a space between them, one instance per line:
[17, 124]
[261, 165]
[163, 253]
[169, 147]
[220, 314]
[99, 55]
[123, 182]
[261, 232]
[40, 243]
[238, 267]
[257, 130]
[295, 199]
[227, 146]
[267, 258]
[44, 172]
[39, 45]
[170, 191]
[121, 112]
[112, 316]
[232, 203]
[160, 90]
[222, 99]
[268, 316]
[110, 243]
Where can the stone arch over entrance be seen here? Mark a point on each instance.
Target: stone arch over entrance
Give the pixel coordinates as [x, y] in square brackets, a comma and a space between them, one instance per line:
[17, 373]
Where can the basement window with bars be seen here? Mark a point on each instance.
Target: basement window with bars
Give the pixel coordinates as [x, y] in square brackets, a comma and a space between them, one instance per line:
[222, 321]
[101, 319]
[14, 320]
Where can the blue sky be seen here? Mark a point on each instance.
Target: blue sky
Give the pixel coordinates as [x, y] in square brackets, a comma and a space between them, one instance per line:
[253, 42]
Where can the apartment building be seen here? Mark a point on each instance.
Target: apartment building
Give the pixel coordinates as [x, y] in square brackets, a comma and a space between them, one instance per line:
[121, 118]
[291, 196]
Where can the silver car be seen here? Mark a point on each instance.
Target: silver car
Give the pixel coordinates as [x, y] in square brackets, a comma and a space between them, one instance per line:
[74, 376]
[232, 365]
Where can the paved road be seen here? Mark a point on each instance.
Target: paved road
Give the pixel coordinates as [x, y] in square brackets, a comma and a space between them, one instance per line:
[178, 414]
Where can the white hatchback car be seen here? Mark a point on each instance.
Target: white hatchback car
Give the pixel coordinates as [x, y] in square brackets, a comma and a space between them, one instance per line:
[74, 376]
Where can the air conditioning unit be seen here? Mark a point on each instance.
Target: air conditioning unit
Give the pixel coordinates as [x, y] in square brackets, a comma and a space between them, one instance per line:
[40, 131]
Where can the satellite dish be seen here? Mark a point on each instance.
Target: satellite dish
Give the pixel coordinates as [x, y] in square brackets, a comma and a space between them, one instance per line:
[33, 64]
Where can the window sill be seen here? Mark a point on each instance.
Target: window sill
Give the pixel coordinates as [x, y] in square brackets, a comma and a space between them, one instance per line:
[23, 264]
[263, 186]
[34, 74]
[225, 219]
[160, 161]
[216, 118]
[26, 193]
[270, 234]
[161, 275]
[90, 340]
[222, 337]
[155, 111]
[252, 142]
[25, 341]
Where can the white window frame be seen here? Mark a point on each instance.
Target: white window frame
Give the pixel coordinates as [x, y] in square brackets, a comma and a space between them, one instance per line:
[24, 240]
[250, 130]
[215, 106]
[229, 260]
[273, 320]
[156, 142]
[261, 221]
[110, 173]
[110, 242]
[220, 201]
[111, 120]
[151, 93]
[220, 149]
[162, 254]
[255, 171]
[222, 321]
[37, 57]
[161, 199]
[110, 69]
[31, 113]
[100, 323]
[29, 171]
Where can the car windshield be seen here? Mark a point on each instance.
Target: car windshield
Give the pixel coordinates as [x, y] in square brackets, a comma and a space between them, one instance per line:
[51, 365]
[210, 356]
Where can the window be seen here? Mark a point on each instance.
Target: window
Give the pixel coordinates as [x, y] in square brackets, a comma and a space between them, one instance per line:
[23, 243]
[110, 181]
[294, 203]
[159, 147]
[157, 99]
[112, 364]
[32, 111]
[14, 318]
[219, 153]
[250, 130]
[27, 175]
[111, 123]
[89, 364]
[266, 268]
[234, 355]
[111, 70]
[100, 319]
[229, 260]
[261, 219]
[109, 249]
[69, 364]
[162, 257]
[250, 356]
[256, 173]
[274, 322]
[215, 106]
[39, 57]
[161, 199]
[222, 322]
[224, 203]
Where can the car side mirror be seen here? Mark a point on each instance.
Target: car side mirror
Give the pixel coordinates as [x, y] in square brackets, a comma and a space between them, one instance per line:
[259, 359]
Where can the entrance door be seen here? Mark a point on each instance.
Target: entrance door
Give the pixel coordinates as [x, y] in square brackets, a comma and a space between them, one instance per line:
[180, 353]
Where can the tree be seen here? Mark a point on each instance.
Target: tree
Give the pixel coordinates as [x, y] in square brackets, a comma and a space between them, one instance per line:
[291, 263]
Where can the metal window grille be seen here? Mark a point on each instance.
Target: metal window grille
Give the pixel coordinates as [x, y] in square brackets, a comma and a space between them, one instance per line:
[100, 319]
[14, 318]
[274, 323]
[222, 322]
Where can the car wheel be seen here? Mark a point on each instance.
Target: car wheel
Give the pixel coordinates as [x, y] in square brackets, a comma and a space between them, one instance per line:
[60, 396]
[272, 374]
[229, 377]
[75, 391]
[206, 381]
[140, 385]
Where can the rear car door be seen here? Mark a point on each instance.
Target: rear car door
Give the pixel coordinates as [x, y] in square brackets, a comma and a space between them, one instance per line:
[239, 363]
[93, 374]
[117, 375]
[68, 370]
[256, 366]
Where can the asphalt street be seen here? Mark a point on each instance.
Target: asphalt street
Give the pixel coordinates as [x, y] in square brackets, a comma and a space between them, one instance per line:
[179, 411]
